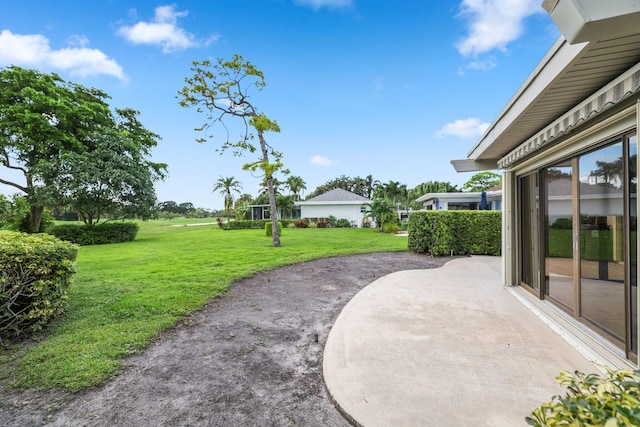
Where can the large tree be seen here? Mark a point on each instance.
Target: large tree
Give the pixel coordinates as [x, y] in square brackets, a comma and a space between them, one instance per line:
[42, 117]
[111, 178]
[362, 186]
[222, 90]
[482, 181]
[226, 187]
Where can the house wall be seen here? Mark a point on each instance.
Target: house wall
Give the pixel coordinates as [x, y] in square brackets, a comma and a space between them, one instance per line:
[590, 137]
[349, 212]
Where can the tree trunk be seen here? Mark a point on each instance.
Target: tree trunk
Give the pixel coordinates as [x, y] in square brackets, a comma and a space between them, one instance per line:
[35, 218]
[275, 234]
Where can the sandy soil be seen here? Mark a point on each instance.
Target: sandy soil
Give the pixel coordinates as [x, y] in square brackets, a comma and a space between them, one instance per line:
[252, 357]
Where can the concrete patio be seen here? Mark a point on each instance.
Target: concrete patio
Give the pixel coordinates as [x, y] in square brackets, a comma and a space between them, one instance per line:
[448, 346]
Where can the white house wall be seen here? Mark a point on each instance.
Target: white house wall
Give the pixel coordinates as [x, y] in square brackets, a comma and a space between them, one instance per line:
[349, 212]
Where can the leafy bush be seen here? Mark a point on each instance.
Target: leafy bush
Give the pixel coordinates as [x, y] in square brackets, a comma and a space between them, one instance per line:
[256, 224]
[455, 232]
[342, 223]
[303, 223]
[323, 224]
[268, 228]
[15, 214]
[391, 227]
[35, 274]
[593, 401]
[106, 232]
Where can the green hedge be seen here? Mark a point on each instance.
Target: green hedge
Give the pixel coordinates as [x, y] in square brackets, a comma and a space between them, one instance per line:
[268, 228]
[455, 232]
[258, 224]
[35, 274]
[107, 232]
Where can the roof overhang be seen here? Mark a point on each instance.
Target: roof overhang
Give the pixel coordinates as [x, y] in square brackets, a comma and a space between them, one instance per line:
[468, 165]
[491, 195]
[566, 76]
[591, 20]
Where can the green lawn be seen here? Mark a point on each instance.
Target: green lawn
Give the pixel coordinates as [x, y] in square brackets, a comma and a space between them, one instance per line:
[124, 294]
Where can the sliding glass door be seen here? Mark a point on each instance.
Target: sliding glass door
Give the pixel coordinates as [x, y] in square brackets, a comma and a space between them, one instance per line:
[602, 240]
[582, 212]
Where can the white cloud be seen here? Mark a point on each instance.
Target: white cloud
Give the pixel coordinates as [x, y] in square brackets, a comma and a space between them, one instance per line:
[33, 50]
[330, 4]
[163, 30]
[464, 128]
[493, 24]
[320, 161]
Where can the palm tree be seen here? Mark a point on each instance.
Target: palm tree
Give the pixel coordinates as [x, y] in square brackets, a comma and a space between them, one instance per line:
[225, 186]
[382, 210]
[295, 184]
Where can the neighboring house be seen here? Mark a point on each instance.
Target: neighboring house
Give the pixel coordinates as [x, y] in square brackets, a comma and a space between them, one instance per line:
[567, 144]
[261, 212]
[338, 203]
[463, 201]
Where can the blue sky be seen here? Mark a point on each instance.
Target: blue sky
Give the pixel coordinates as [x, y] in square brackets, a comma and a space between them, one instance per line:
[392, 89]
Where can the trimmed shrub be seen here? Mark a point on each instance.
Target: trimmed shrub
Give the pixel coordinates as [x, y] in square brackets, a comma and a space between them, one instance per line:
[106, 232]
[455, 232]
[303, 223]
[390, 227]
[35, 275]
[592, 401]
[268, 228]
[257, 224]
[323, 224]
[343, 223]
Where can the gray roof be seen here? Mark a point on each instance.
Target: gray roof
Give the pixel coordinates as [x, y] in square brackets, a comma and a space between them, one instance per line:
[339, 195]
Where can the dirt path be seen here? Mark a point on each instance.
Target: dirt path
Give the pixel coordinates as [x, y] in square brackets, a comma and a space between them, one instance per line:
[250, 358]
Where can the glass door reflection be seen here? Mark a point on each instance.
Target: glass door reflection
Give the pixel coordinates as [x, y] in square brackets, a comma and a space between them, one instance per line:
[558, 192]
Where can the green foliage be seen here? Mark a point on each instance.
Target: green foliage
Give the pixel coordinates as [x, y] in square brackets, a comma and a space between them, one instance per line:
[482, 181]
[342, 223]
[106, 232]
[35, 274]
[391, 227]
[42, 117]
[455, 232]
[591, 400]
[112, 178]
[268, 228]
[252, 224]
[15, 214]
[382, 211]
[362, 186]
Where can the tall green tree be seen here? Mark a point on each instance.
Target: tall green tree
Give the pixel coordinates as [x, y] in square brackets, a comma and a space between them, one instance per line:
[111, 179]
[226, 187]
[42, 117]
[393, 191]
[296, 185]
[482, 181]
[223, 89]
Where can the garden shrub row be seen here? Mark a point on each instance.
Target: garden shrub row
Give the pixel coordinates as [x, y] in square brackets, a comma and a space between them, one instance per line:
[106, 232]
[455, 232]
[35, 275]
[255, 224]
